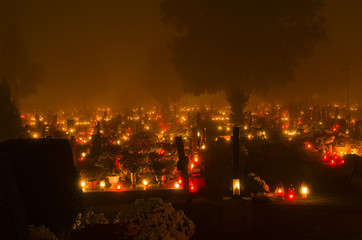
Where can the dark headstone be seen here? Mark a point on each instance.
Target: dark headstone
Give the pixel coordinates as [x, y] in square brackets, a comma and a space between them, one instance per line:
[13, 223]
[47, 181]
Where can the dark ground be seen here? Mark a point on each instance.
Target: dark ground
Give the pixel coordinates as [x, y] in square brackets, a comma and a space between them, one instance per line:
[322, 216]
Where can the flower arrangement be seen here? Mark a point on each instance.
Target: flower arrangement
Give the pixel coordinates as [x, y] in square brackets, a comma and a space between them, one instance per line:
[41, 233]
[155, 219]
[89, 217]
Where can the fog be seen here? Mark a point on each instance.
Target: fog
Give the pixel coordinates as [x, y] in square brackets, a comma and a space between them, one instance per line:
[113, 52]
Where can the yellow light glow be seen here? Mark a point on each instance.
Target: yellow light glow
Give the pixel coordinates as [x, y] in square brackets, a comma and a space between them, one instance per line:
[177, 185]
[145, 182]
[82, 183]
[304, 191]
[83, 154]
[119, 187]
[102, 184]
[236, 187]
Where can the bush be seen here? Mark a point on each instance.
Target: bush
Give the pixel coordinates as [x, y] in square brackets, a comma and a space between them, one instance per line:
[107, 162]
[155, 219]
[253, 184]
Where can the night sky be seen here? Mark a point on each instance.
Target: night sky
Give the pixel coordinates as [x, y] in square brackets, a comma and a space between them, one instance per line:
[115, 52]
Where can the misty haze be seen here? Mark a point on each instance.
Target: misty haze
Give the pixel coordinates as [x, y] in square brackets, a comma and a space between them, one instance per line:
[180, 119]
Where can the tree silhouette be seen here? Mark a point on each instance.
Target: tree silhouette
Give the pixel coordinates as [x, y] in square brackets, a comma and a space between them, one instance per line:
[10, 123]
[252, 44]
[22, 74]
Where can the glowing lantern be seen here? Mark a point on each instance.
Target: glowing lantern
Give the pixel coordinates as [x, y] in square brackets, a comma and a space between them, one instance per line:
[236, 187]
[82, 183]
[179, 180]
[177, 185]
[279, 191]
[119, 187]
[304, 191]
[291, 194]
[193, 187]
[83, 154]
[102, 184]
[145, 184]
